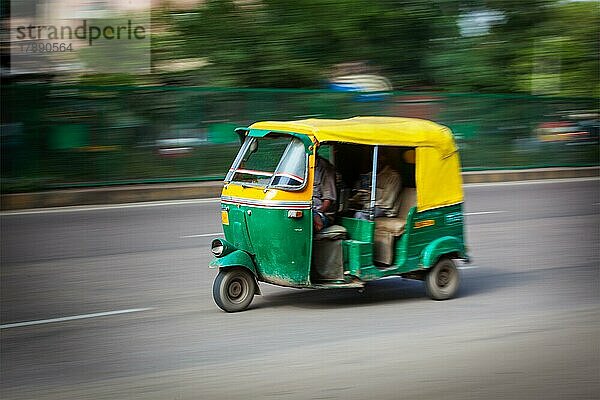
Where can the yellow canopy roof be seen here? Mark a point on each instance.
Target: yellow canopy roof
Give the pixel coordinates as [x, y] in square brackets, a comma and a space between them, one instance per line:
[437, 175]
[385, 131]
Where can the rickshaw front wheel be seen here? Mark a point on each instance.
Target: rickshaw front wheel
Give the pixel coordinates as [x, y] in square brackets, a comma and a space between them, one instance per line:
[443, 280]
[233, 289]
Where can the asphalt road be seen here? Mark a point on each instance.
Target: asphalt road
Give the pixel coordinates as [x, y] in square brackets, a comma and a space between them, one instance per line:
[525, 326]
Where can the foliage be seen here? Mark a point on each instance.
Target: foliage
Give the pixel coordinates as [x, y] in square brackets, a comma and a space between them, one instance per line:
[417, 43]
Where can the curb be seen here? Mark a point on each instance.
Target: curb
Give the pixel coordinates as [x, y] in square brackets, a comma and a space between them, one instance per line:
[184, 191]
[110, 195]
[529, 174]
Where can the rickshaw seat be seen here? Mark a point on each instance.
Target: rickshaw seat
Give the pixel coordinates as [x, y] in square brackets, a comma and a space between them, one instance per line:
[333, 232]
[395, 225]
[388, 228]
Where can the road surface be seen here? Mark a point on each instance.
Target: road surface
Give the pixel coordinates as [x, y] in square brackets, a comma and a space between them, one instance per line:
[115, 303]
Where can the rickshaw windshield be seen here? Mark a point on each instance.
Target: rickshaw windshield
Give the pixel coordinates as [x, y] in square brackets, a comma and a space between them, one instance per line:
[277, 161]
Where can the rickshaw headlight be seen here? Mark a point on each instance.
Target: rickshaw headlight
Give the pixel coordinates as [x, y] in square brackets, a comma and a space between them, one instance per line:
[221, 247]
[217, 247]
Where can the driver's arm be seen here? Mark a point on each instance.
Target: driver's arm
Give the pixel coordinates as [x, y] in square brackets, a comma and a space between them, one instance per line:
[325, 205]
[328, 190]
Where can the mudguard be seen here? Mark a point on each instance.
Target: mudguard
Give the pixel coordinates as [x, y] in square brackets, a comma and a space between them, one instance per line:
[237, 258]
[439, 247]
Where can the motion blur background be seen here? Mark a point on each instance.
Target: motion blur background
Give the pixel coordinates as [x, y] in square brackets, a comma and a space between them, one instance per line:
[518, 82]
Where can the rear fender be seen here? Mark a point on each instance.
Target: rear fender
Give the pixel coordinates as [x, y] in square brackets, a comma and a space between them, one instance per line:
[440, 247]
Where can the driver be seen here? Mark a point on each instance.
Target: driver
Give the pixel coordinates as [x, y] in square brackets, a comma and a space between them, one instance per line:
[324, 194]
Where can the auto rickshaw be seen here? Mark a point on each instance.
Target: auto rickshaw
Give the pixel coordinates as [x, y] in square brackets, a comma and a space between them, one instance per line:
[267, 217]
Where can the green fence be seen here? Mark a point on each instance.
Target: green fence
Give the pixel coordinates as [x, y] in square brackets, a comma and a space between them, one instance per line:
[69, 136]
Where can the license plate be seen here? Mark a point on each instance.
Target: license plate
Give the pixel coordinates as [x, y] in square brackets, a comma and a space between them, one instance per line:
[225, 217]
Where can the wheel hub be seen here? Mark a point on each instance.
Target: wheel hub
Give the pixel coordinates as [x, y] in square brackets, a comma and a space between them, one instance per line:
[235, 289]
[444, 277]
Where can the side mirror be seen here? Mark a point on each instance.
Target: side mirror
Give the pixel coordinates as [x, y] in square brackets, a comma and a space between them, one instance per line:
[251, 150]
[253, 147]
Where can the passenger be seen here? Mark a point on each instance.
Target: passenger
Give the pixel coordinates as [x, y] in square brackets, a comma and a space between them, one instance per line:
[389, 185]
[324, 194]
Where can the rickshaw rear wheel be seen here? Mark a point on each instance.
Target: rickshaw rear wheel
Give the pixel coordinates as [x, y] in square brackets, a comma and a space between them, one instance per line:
[234, 289]
[443, 280]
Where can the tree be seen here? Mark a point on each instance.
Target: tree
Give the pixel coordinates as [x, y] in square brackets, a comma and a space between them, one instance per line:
[295, 43]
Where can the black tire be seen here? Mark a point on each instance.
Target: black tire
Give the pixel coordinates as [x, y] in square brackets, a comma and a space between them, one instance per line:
[443, 280]
[233, 289]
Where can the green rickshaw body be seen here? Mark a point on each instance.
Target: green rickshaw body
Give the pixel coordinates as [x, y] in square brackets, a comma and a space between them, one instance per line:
[266, 203]
[256, 218]
[279, 247]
